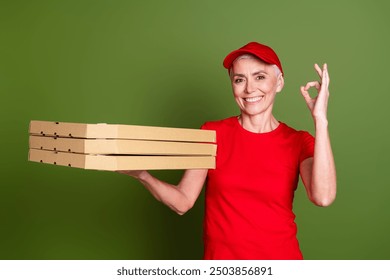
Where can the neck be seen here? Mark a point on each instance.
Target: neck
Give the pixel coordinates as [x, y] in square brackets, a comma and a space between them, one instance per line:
[257, 123]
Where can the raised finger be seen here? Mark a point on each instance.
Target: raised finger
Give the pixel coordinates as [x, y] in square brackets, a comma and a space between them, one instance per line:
[315, 84]
[325, 76]
[319, 70]
[305, 94]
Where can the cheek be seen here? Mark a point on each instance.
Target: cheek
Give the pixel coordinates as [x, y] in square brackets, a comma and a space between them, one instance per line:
[263, 86]
[237, 90]
[267, 87]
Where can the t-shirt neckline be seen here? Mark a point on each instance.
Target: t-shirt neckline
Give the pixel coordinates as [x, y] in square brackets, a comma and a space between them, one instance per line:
[269, 133]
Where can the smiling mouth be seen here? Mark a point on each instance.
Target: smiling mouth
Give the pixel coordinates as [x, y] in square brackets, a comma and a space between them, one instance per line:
[253, 99]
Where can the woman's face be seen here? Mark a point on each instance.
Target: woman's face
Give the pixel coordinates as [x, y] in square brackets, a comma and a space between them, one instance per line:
[255, 85]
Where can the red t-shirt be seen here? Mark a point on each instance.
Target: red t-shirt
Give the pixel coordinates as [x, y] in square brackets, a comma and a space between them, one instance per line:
[249, 196]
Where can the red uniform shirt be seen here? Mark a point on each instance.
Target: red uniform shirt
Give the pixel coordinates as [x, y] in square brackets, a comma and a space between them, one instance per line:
[249, 196]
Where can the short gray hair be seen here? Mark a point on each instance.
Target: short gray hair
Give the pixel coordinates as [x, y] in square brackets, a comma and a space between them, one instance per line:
[251, 56]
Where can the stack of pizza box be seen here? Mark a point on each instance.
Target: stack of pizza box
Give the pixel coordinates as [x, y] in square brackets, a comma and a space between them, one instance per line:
[117, 147]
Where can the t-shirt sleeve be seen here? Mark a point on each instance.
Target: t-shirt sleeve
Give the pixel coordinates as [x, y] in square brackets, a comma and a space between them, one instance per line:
[210, 126]
[307, 146]
[207, 126]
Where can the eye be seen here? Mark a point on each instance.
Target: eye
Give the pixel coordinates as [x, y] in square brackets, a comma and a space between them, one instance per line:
[260, 77]
[238, 80]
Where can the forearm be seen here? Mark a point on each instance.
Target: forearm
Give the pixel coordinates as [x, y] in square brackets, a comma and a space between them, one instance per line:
[323, 179]
[179, 198]
[166, 193]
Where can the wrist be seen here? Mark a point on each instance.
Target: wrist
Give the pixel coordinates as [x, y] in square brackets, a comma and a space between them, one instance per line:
[142, 175]
[321, 121]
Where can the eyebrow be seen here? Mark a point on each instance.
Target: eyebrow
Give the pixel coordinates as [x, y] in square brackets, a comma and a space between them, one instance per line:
[253, 74]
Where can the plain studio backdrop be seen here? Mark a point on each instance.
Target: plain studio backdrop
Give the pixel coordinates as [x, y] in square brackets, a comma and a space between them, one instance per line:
[159, 63]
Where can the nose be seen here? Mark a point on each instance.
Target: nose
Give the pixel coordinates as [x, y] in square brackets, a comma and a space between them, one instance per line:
[249, 87]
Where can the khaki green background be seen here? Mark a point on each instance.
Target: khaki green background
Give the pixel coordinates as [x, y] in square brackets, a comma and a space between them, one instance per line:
[159, 63]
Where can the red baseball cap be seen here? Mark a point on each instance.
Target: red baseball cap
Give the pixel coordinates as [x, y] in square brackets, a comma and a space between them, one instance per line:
[261, 51]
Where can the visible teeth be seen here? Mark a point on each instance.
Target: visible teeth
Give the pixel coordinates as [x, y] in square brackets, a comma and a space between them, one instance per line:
[253, 99]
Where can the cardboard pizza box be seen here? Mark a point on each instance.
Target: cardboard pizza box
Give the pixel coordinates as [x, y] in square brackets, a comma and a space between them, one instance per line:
[120, 131]
[121, 146]
[121, 162]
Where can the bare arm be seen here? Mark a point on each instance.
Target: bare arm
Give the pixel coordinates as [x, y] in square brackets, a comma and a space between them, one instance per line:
[319, 172]
[179, 198]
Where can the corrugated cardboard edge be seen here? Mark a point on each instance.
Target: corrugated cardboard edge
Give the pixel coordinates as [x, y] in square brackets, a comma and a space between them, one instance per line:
[51, 157]
[46, 128]
[119, 131]
[113, 163]
[120, 146]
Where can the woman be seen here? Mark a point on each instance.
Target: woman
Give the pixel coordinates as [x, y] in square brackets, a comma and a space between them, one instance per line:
[249, 196]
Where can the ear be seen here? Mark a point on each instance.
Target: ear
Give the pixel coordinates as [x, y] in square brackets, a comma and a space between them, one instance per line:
[280, 83]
